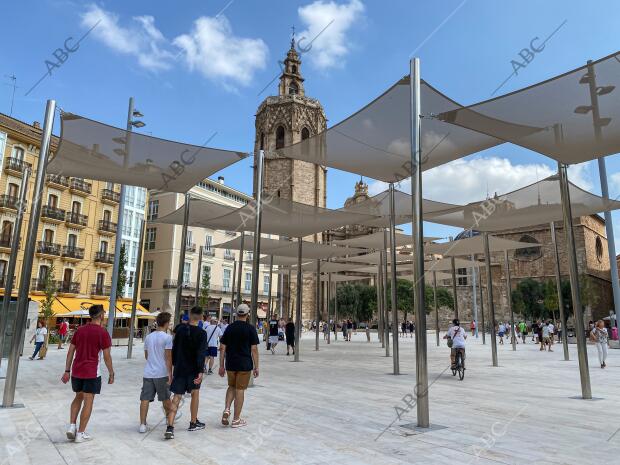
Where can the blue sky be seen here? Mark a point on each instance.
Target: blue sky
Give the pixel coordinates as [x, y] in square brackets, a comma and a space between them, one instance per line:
[196, 68]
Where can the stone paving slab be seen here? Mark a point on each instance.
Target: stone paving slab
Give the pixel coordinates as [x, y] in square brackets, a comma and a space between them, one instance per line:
[339, 405]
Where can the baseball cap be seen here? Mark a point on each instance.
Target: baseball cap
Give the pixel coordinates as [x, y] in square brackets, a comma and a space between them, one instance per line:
[243, 309]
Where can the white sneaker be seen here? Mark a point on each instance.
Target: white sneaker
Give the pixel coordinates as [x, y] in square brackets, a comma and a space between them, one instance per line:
[71, 432]
[82, 437]
[143, 429]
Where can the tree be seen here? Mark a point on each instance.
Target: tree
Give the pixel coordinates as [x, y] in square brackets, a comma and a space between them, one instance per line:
[528, 299]
[205, 282]
[50, 289]
[444, 298]
[122, 277]
[357, 301]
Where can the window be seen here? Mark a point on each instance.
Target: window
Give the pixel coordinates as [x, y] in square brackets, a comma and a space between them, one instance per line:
[208, 242]
[100, 281]
[18, 152]
[262, 141]
[189, 238]
[151, 237]
[48, 235]
[103, 246]
[130, 279]
[226, 278]
[294, 69]
[107, 216]
[266, 283]
[127, 222]
[7, 232]
[67, 278]
[140, 197]
[13, 190]
[153, 210]
[134, 254]
[187, 272]
[72, 241]
[249, 256]
[248, 282]
[52, 200]
[599, 249]
[461, 280]
[3, 138]
[147, 274]
[293, 89]
[109, 185]
[305, 133]
[137, 224]
[43, 270]
[279, 137]
[529, 253]
[129, 195]
[3, 265]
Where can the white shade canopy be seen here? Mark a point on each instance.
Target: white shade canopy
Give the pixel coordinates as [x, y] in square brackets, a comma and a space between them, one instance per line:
[93, 150]
[375, 240]
[445, 264]
[373, 258]
[375, 141]
[473, 245]
[538, 203]
[342, 278]
[330, 267]
[279, 216]
[554, 117]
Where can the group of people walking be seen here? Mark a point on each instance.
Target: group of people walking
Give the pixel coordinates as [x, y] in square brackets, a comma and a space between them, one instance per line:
[175, 366]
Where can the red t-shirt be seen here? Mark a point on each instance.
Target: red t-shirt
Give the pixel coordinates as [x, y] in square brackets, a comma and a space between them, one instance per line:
[62, 330]
[89, 340]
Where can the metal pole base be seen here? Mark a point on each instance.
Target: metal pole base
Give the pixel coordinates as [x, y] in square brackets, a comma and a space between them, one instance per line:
[12, 406]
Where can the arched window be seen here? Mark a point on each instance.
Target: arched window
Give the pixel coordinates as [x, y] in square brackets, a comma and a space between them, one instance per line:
[599, 249]
[7, 232]
[305, 133]
[529, 253]
[262, 141]
[294, 69]
[293, 89]
[279, 137]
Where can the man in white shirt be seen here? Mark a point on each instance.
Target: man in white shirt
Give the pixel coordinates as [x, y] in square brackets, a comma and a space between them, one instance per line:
[458, 336]
[214, 333]
[158, 368]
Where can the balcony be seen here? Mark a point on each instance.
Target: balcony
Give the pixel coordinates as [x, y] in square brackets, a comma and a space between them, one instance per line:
[58, 181]
[208, 252]
[110, 197]
[80, 187]
[172, 284]
[16, 166]
[8, 202]
[77, 220]
[6, 243]
[229, 256]
[52, 214]
[38, 285]
[107, 228]
[48, 249]
[72, 253]
[191, 248]
[66, 287]
[97, 290]
[104, 258]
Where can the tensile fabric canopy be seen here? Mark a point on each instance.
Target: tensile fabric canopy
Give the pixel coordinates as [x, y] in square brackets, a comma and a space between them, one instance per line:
[375, 240]
[473, 245]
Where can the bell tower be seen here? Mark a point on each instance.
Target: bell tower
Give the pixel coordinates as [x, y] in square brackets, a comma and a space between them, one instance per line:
[283, 120]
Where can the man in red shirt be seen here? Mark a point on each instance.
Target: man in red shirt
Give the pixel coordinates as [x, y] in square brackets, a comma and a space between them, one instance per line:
[63, 329]
[88, 343]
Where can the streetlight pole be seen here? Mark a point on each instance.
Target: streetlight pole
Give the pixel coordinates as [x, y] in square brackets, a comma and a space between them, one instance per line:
[257, 234]
[395, 354]
[181, 268]
[136, 290]
[299, 288]
[558, 285]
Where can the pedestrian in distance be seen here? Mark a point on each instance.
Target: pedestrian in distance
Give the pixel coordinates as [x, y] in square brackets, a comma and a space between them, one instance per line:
[157, 375]
[289, 331]
[600, 337]
[239, 360]
[90, 343]
[214, 333]
[63, 330]
[39, 340]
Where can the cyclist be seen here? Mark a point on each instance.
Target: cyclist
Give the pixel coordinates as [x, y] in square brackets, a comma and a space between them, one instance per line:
[458, 336]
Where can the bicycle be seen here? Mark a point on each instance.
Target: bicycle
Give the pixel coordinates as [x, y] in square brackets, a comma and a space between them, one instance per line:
[458, 364]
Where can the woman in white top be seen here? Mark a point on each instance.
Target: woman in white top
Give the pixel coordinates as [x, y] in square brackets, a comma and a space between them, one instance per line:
[601, 338]
[39, 339]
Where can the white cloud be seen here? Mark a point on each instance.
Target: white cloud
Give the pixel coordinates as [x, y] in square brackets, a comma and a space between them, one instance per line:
[464, 181]
[212, 49]
[614, 184]
[327, 24]
[140, 38]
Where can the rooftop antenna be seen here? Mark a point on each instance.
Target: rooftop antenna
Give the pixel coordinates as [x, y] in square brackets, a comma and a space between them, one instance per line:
[13, 78]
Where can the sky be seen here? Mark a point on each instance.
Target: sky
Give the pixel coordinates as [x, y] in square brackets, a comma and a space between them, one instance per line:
[198, 70]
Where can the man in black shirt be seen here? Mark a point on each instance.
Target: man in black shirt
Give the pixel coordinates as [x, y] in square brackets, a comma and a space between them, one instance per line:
[239, 348]
[289, 331]
[189, 349]
[274, 328]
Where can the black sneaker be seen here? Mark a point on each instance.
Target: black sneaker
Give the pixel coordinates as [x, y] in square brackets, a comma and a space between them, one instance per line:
[196, 426]
[169, 434]
[210, 372]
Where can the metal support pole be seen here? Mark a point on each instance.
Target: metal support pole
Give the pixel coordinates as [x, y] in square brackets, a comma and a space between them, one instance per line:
[456, 300]
[29, 248]
[474, 297]
[329, 295]
[289, 303]
[232, 293]
[270, 286]
[417, 228]
[317, 304]
[136, 290]
[582, 349]
[9, 275]
[240, 269]
[299, 288]
[602, 171]
[336, 311]
[198, 277]
[386, 310]
[257, 233]
[558, 285]
[177, 306]
[509, 298]
[380, 299]
[487, 258]
[484, 338]
[118, 241]
[395, 354]
[436, 307]
[280, 293]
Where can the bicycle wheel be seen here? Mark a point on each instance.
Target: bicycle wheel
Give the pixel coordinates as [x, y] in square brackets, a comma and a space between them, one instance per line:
[461, 370]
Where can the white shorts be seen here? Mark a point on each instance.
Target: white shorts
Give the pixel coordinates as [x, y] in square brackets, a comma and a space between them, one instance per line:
[273, 339]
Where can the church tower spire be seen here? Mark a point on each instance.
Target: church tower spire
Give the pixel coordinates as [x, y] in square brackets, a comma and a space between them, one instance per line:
[291, 80]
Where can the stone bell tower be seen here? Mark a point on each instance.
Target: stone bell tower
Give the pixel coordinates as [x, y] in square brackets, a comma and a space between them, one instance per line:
[284, 120]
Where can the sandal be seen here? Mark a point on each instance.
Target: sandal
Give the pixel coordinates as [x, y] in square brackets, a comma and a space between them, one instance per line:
[225, 416]
[239, 423]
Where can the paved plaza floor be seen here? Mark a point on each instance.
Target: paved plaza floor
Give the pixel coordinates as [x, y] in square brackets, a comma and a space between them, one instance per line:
[340, 405]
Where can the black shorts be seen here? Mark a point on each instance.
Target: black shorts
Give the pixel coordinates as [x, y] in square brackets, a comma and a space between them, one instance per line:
[87, 385]
[184, 383]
